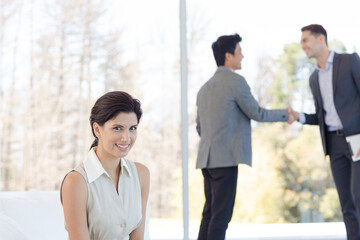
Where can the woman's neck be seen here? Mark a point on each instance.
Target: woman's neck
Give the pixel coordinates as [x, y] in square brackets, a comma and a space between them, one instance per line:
[111, 165]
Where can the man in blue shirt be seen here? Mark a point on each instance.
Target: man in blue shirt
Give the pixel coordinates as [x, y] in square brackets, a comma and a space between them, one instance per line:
[335, 85]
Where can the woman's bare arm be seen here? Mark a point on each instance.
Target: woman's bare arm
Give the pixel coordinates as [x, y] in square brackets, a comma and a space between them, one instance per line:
[74, 199]
[144, 178]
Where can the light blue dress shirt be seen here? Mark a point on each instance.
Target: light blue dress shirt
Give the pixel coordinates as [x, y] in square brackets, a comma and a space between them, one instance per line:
[332, 119]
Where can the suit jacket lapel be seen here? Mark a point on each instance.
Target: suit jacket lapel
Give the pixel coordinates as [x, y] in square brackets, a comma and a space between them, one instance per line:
[317, 88]
[336, 63]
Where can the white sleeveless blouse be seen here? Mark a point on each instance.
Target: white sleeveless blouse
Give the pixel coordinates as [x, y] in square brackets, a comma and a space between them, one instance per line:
[111, 215]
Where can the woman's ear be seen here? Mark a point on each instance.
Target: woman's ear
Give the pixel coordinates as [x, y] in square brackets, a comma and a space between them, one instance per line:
[96, 128]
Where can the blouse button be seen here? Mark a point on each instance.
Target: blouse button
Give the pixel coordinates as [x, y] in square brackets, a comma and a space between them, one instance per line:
[123, 225]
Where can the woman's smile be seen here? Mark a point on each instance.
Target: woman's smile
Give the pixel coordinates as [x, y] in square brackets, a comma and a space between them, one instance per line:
[122, 147]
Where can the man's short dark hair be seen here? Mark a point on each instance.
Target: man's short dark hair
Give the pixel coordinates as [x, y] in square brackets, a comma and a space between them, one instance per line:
[316, 30]
[224, 44]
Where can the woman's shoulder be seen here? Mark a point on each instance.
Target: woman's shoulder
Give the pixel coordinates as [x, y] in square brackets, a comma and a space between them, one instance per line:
[142, 169]
[143, 173]
[74, 185]
[75, 178]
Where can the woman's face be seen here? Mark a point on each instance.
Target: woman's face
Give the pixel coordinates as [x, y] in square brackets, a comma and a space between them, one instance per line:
[116, 136]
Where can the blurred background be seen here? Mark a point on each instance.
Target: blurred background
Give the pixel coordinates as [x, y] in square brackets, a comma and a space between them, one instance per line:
[57, 57]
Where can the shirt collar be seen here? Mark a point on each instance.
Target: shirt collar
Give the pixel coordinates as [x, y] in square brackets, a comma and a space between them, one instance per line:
[221, 68]
[94, 169]
[329, 61]
[125, 165]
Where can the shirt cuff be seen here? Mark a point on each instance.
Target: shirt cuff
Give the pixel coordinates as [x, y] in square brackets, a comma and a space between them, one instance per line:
[302, 118]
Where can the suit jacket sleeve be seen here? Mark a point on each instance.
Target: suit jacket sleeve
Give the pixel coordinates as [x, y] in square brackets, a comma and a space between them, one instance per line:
[311, 119]
[250, 106]
[198, 129]
[355, 69]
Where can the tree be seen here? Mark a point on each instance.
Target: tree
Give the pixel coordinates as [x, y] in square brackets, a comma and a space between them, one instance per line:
[10, 10]
[67, 50]
[264, 81]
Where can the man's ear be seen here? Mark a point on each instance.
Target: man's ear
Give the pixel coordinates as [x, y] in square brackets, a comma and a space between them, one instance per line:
[96, 128]
[227, 57]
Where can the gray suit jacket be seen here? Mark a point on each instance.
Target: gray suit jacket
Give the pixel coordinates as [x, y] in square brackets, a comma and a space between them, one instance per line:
[225, 107]
[346, 88]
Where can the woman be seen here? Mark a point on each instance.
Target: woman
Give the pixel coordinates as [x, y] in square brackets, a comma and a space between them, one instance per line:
[105, 196]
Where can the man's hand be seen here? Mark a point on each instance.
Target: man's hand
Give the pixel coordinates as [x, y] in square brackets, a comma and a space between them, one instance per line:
[358, 154]
[293, 115]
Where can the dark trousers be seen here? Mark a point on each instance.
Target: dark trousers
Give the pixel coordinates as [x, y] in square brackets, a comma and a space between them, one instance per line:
[220, 191]
[346, 174]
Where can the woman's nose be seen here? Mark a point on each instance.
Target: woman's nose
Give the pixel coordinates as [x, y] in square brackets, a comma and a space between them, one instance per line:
[125, 136]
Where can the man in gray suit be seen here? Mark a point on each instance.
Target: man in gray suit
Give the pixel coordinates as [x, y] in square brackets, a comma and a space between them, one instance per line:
[225, 108]
[335, 85]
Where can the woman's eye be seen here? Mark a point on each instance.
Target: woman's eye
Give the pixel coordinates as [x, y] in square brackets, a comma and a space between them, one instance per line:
[117, 128]
[133, 128]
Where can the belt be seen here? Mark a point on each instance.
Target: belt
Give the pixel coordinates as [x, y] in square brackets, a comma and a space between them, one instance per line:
[338, 132]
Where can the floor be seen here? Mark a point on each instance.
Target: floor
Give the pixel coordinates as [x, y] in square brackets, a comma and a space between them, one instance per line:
[160, 229]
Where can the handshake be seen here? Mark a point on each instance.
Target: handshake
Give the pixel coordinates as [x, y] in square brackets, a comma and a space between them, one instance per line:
[293, 115]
